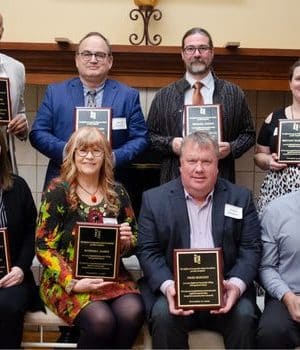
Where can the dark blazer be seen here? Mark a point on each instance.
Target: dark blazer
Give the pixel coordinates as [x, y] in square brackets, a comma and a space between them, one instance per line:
[21, 221]
[164, 226]
[165, 122]
[55, 119]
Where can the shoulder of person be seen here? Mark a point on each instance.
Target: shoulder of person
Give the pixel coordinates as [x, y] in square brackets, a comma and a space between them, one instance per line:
[57, 189]
[10, 60]
[112, 83]
[234, 188]
[19, 183]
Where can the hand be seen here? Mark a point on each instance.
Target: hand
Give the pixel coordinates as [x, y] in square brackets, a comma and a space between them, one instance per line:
[13, 278]
[125, 236]
[170, 294]
[292, 302]
[18, 125]
[230, 297]
[89, 285]
[273, 163]
[176, 145]
[224, 149]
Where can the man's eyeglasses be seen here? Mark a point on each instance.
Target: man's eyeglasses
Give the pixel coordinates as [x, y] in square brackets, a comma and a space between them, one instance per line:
[87, 56]
[84, 152]
[190, 50]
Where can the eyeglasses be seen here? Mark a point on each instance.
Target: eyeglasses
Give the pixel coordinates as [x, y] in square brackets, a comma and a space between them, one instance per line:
[84, 152]
[87, 56]
[190, 50]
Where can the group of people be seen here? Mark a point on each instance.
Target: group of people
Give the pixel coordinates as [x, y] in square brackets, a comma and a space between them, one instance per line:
[197, 205]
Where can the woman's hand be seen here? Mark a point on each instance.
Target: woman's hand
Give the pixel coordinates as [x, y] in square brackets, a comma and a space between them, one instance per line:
[273, 163]
[89, 285]
[13, 278]
[125, 236]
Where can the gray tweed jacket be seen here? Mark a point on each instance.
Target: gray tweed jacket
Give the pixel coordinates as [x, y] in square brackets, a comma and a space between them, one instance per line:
[165, 122]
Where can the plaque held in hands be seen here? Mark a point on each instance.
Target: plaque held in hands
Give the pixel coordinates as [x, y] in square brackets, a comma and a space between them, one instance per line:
[198, 278]
[5, 104]
[96, 117]
[289, 141]
[4, 253]
[97, 251]
[207, 118]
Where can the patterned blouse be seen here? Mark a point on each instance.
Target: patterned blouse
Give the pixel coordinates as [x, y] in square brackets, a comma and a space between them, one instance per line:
[55, 249]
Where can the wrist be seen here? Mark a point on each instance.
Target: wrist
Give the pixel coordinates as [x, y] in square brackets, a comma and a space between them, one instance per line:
[70, 286]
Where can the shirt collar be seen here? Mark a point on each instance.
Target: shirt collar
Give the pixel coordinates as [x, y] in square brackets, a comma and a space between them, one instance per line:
[98, 89]
[206, 81]
[207, 199]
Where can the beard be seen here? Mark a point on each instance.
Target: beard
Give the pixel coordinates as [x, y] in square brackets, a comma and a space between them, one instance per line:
[197, 67]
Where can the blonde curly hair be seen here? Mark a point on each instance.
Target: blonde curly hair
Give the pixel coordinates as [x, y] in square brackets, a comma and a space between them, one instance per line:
[88, 137]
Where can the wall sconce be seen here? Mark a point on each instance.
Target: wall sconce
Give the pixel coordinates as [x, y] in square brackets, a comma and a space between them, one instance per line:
[146, 11]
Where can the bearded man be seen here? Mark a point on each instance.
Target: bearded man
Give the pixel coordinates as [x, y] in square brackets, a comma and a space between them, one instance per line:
[165, 118]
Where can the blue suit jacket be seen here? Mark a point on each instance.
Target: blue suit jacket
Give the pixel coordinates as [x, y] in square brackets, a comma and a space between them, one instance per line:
[55, 118]
[164, 226]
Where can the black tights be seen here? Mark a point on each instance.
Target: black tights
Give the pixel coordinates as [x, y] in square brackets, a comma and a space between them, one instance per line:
[110, 324]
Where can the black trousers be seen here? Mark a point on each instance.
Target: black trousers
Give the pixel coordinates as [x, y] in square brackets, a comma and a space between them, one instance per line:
[13, 305]
[277, 330]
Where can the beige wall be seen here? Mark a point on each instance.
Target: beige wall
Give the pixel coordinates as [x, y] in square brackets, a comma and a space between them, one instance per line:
[255, 23]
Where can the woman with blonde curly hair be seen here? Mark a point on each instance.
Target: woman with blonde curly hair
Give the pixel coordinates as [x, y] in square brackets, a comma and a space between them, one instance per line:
[108, 314]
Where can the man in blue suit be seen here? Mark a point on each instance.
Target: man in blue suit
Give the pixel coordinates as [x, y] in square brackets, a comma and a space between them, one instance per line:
[54, 121]
[199, 210]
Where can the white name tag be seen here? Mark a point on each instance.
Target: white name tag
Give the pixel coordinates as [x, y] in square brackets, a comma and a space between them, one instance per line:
[233, 212]
[109, 221]
[119, 124]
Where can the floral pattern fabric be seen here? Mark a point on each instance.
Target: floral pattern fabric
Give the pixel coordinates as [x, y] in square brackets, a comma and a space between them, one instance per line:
[55, 249]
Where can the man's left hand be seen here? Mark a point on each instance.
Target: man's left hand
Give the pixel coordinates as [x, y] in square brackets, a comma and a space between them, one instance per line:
[231, 295]
[224, 149]
[18, 125]
[13, 278]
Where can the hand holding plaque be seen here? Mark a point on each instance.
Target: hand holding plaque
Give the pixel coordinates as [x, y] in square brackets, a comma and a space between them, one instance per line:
[97, 251]
[198, 278]
[289, 141]
[5, 104]
[207, 118]
[4, 253]
[96, 117]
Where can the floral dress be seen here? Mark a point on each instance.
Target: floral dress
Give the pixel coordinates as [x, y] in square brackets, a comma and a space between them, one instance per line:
[280, 182]
[55, 250]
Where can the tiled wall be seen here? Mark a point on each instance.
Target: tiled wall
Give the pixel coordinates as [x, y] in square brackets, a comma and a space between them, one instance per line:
[32, 164]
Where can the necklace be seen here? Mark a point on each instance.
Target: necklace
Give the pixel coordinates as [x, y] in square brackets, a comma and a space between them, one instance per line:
[93, 195]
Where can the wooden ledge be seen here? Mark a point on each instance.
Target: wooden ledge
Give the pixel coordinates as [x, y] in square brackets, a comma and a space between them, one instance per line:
[157, 66]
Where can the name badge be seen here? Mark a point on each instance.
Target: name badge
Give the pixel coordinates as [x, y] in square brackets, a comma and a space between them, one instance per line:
[233, 211]
[119, 124]
[109, 221]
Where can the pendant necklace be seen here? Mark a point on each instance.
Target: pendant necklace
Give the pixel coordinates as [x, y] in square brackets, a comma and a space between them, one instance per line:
[93, 195]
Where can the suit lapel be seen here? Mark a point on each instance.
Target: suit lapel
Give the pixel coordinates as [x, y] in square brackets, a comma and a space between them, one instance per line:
[109, 93]
[77, 93]
[179, 209]
[219, 201]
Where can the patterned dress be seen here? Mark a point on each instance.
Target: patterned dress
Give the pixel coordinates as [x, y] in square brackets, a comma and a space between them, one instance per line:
[55, 250]
[281, 182]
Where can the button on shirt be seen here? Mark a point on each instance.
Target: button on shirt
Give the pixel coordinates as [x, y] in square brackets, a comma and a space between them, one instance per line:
[207, 89]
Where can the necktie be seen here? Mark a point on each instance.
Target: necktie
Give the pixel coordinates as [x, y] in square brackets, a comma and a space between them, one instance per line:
[91, 98]
[197, 98]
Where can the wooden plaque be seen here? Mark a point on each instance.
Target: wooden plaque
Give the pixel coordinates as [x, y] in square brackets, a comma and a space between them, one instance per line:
[100, 118]
[198, 278]
[207, 118]
[289, 141]
[5, 102]
[4, 253]
[97, 251]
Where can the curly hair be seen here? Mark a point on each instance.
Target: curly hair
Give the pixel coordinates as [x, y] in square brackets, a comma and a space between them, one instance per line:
[87, 137]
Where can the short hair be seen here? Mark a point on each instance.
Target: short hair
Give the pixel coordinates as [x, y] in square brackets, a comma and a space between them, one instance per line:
[203, 139]
[6, 179]
[292, 69]
[197, 30]
[100, 36]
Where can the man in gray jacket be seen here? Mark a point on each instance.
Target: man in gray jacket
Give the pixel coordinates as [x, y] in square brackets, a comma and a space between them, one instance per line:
[165, 117]
[18, 126]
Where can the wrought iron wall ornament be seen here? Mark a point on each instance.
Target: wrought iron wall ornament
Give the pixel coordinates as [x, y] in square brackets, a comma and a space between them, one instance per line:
[145, 12]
